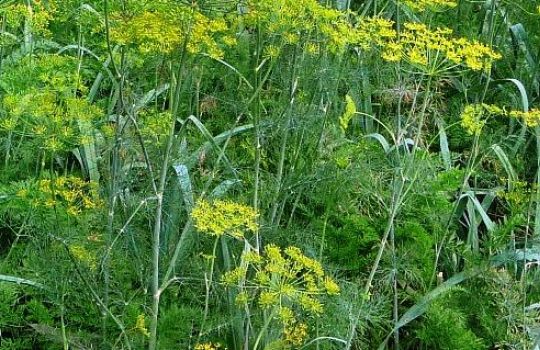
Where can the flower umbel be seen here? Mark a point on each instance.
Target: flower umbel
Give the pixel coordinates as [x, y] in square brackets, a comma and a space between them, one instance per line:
[431, 5]
[283, 277]
[208, 346]
[222, 217]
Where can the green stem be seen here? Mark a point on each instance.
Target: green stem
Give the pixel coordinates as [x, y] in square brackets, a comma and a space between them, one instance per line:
[208, 284]
[264, 329]
[158, 216]
[537, 194]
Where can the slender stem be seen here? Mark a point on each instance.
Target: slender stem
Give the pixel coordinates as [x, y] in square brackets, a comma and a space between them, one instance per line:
[257, 140]
[285, 138]
[395, 206]
[395, 289]
[264, 329]
[208, 280]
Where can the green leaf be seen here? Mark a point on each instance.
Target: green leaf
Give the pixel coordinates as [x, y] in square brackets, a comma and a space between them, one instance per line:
[23, 281]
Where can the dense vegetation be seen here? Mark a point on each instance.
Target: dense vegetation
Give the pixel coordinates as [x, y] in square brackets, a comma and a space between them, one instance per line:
[269, 174]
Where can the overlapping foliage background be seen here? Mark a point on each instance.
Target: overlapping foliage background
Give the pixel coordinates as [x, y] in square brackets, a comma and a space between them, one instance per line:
[286, 174]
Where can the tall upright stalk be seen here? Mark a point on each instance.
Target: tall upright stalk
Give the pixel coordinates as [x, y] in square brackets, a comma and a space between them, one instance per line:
[115, 161]
[158, 216]
[257, 126]
[284, 140]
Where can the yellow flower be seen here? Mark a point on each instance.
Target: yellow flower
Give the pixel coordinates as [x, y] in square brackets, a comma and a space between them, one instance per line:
[332, 288]
[311, 304]
[268, 299]
[73, 211]
[272, 51]
[531, 118]
[39, 129]
[164, 26]
[252, 257]
[50, 203]
[208, 346]
[140, 325]
[348, 114]
[295, 334]
[234, 276]
[392, 52]
[432, 5]
[312, 48]
[224, 218]
[286, 315]
[300, 21]
[433, 49]
[471, 119]
[22, 193]
[281, 278]
[241, 298]
[8, 124]
[80, 253]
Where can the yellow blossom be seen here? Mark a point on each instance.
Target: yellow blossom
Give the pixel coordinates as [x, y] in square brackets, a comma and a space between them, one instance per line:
[268, 299]
[432, 5]
[471, 119]
[164, 27]
[432, 50]
[223, 217]
[140, 325]
[530, 118]
[295, 334]
[208, 346]
[283, 277]
[82, 254]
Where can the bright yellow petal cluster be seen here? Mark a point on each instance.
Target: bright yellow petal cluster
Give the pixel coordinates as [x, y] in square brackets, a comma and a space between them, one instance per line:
[436, 48]
[166, 28]
[208, 346]
[84, 256]
[47, 110]
[431, 5]
[222, 217]
[307, 21]
[283, 277]
[37, 16]
[295, 334]
[531, 118]
[471, 119]
[140, 325]
[373, 31]
[72, 194]
[473, 116]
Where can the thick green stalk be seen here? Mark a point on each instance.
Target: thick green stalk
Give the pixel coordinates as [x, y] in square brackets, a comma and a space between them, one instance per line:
[158, 216]
[115, 164]
[157, 235]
